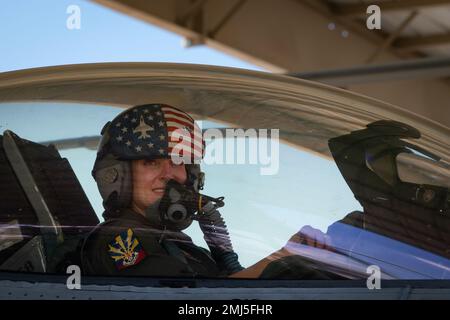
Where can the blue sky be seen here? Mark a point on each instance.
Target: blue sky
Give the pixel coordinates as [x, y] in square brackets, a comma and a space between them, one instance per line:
[34, 34]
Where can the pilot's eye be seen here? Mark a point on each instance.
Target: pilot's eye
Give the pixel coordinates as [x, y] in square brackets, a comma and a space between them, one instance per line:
[150, 163]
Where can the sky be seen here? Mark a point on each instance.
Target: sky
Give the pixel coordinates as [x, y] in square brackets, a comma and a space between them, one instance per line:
[34, 34]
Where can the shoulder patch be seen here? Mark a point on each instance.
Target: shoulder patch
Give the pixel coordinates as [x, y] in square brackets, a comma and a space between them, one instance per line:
[125, 250]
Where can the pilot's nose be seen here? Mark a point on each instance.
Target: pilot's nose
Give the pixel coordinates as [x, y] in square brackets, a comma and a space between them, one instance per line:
[166, 170]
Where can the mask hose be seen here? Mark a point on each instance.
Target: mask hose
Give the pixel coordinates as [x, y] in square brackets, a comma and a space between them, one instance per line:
[216, 235]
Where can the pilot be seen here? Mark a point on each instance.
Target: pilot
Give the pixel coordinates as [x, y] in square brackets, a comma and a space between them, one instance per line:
[150, 179]
[133, 169]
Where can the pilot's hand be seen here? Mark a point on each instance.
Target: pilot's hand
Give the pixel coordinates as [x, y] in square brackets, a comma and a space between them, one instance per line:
[311, 237]
[307, 235]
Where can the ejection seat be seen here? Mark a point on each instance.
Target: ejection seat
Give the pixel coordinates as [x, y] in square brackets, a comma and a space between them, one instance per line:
[44, 212]
[414, 213]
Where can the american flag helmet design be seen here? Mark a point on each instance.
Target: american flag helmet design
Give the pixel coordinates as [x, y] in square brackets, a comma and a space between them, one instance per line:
[154, 131]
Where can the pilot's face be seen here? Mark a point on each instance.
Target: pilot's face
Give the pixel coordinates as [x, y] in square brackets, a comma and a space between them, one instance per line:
[150, 178]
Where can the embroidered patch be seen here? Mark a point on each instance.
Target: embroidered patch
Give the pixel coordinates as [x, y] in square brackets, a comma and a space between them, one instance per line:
[125, 250]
